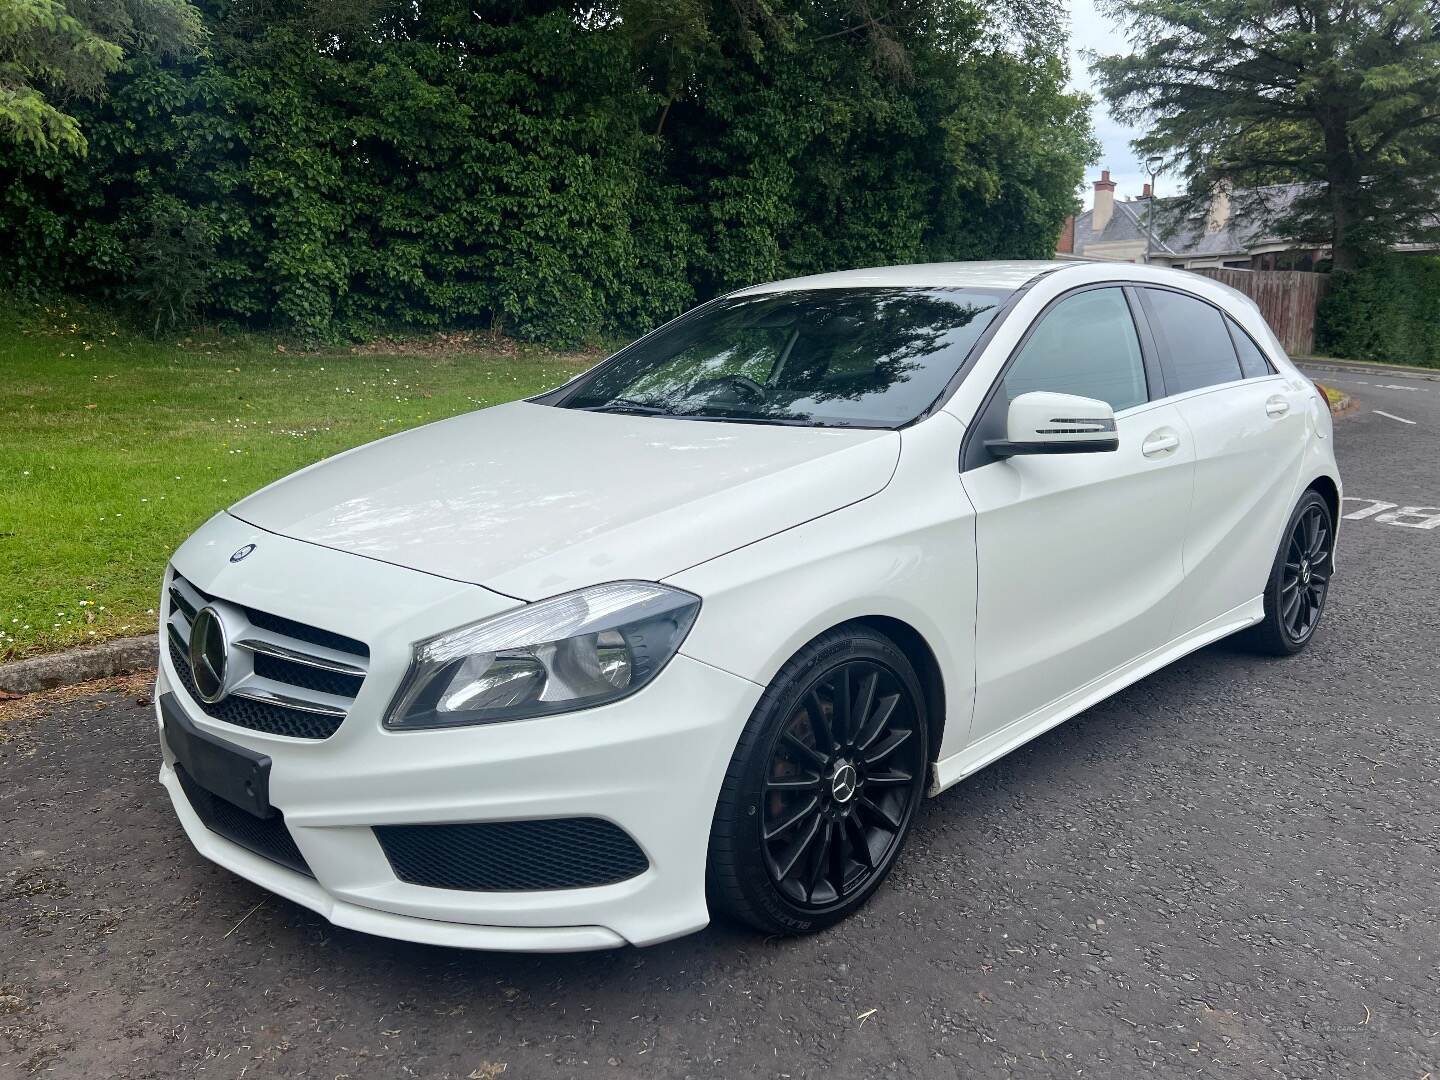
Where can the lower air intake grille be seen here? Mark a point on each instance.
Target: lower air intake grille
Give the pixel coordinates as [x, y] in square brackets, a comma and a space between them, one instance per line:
[508, 856]
[266, 837]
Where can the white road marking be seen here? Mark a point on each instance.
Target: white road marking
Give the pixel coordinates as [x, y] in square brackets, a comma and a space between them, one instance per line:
[1395, 386]
[1391, 416]
[1389, 513]
[1376, 505]
[1422, 517]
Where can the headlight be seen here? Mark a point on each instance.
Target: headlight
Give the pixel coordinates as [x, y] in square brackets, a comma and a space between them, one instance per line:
[569, 652]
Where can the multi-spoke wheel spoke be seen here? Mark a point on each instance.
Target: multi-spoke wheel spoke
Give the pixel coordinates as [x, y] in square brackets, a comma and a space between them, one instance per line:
[843, 779]
[1305, 574]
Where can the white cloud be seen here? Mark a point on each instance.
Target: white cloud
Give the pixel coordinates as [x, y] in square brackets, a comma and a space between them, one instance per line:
[1089, 30]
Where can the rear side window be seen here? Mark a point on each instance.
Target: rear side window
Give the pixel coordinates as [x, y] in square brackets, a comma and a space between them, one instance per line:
[1196, 350]
[1252, 360]
[1086, 345]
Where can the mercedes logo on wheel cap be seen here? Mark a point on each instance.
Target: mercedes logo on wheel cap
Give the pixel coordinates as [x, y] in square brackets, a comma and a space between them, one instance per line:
[209, 655]
[843, 783]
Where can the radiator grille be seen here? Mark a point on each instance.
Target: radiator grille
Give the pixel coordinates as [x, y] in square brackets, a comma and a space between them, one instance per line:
[255, 715]
[287, 678]
[508, 856]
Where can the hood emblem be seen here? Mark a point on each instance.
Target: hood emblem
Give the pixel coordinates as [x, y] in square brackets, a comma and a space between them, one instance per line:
[209, 655]
[244, 552]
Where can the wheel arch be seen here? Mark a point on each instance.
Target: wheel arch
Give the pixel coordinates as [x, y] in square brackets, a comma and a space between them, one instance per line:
[1328, 490]
[922, 657]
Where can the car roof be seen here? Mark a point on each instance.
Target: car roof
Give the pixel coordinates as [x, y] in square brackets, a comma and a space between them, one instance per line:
[1008, 275]
[998, 274]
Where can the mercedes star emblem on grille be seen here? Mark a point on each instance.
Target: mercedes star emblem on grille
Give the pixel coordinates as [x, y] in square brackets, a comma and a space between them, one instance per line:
[242, 553]
[209, 655]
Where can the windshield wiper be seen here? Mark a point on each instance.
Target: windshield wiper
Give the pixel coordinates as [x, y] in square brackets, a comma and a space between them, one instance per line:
[754, 418]
[626, 405]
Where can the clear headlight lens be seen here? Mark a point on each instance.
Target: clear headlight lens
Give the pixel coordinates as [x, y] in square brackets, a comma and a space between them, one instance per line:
[569, 652]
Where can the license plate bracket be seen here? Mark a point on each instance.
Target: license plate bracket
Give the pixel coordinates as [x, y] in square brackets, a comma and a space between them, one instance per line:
[237, 774]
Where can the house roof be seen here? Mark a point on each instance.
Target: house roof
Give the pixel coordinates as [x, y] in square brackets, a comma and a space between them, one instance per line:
[1177, 234]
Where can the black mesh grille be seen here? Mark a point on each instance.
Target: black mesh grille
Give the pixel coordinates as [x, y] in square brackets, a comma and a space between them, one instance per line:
[266, 837]
[256, 715]
[311, 678]
[313, 634]
[505, 856]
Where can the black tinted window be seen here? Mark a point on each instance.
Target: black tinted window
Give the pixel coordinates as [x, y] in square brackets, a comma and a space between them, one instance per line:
[874, 357]
[1085, 345]
[1252, 361]
[1195, 346]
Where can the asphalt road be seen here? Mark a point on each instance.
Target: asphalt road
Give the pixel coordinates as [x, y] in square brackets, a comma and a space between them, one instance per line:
[1228, 870]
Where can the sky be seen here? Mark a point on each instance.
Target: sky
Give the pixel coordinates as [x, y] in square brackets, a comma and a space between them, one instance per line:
[1091, 30]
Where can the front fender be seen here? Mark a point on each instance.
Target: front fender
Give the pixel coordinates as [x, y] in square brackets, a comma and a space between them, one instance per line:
[906, 553]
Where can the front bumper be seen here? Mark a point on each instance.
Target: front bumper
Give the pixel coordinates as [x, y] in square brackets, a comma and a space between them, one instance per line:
[652, 764]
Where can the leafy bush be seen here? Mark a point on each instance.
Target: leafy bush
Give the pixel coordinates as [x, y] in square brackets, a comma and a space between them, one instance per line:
[1389, 311]
[559, 175]
[172, 266]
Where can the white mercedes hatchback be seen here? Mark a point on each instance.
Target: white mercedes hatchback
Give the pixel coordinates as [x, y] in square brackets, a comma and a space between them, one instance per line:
[696, 632]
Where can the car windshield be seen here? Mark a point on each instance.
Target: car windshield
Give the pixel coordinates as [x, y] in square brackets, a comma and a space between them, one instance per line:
[861, 357]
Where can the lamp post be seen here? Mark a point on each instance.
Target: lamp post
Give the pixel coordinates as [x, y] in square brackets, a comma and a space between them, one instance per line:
[1153, 165]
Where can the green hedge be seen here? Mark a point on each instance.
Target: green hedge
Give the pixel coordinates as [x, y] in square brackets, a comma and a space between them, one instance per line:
[534, 167]
[1387, 311]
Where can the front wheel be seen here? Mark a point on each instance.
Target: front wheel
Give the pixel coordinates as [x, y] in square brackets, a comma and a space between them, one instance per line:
[1299, 580]
[823, 785]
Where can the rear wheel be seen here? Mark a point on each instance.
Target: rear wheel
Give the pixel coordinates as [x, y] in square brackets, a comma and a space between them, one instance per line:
[823, 786]
[1299, 580]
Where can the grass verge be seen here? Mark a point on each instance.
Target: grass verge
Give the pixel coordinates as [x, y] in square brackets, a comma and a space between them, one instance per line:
[113, 448]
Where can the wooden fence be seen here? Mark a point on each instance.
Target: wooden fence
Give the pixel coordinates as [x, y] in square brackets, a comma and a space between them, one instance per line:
[1287, 298]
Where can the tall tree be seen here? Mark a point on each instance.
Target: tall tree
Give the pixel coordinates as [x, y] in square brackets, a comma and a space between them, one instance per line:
[1343, 94]
[53, 52]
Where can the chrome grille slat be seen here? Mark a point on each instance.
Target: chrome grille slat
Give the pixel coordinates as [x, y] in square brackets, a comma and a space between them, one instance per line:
[279, 697]
[298, 652]
[188, 596]
[255, 688]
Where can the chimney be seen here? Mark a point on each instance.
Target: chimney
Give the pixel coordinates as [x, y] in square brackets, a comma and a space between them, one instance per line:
[1066, 244]
[1104, 202]
[1218, 216]
[1146, 193]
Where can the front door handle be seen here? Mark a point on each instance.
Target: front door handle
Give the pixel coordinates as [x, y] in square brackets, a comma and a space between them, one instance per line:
[1276, 407]
[1159, 443]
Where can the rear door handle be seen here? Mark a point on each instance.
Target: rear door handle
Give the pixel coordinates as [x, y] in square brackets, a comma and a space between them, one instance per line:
[1159, 443]
[1276, 407]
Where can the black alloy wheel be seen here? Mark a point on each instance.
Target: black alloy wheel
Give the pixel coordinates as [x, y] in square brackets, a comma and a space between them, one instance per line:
[823, 787]
[839, 790]
[1306, 574]
[1299, 580]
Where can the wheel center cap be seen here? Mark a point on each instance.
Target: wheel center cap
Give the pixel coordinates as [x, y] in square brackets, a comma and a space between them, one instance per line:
[1305, 572]
[843, 782]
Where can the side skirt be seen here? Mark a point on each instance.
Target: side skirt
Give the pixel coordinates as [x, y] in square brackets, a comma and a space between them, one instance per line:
[999, 743]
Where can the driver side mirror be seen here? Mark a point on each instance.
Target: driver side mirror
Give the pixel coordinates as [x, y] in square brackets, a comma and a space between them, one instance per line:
[1044, 423]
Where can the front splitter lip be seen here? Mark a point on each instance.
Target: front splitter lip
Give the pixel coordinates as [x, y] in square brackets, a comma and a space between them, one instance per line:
[307, 893]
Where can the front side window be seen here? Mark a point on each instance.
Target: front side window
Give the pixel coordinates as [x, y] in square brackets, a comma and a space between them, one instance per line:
[1196, 349]
[1086, 345]
[859, 357]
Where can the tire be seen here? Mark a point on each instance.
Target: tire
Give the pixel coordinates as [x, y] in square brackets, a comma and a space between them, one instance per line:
[1299, 581]
[795, 749]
